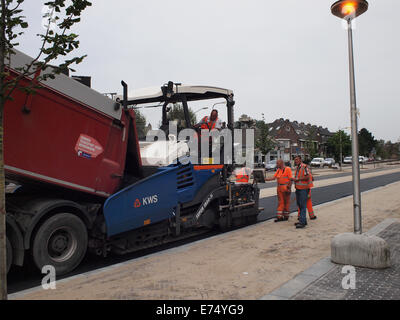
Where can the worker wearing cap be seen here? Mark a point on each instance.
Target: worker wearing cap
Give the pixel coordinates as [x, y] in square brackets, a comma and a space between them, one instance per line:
[303, 185]
[283, 176]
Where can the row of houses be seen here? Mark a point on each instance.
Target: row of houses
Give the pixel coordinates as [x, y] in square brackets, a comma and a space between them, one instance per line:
[291, 138]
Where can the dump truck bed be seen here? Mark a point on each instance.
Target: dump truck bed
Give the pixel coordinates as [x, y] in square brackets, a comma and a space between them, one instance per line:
[66, 134]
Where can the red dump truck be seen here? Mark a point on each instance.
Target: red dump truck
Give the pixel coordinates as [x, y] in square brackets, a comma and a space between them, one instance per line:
[75, 155]
[65, 146]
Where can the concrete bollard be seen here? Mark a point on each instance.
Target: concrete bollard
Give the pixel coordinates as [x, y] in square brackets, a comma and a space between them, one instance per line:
[360, 250]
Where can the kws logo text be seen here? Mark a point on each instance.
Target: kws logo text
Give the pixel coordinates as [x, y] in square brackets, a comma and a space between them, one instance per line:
[146, 201]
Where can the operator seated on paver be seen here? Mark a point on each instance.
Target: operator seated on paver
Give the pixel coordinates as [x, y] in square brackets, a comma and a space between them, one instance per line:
[283, 176]
[211, 122]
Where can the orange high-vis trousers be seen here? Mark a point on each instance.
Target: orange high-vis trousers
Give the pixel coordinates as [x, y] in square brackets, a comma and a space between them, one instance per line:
[283, 204]
[309, 206]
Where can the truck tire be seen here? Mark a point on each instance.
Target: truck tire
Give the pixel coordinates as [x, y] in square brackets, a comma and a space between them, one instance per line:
[61, 241]
[9, 254]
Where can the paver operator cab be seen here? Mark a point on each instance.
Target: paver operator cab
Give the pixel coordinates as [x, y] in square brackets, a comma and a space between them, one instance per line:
[84, 185]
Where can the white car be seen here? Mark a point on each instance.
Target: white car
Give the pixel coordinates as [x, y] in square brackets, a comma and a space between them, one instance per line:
[317, 162]
[348, 160]
[271, 165]
[329, 162]
[363, 159]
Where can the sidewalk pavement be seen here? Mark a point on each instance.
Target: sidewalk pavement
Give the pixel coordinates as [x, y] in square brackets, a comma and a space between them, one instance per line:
[323, 280]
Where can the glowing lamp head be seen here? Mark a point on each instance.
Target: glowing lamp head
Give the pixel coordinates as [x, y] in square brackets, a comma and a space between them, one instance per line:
[349, 9]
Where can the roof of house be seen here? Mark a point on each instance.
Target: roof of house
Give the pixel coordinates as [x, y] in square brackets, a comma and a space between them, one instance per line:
[302, 130]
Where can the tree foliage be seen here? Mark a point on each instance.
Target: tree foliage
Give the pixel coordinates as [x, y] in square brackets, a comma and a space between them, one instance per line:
[366, 142]
[340, 140]
[177, 114]
[57, 41]
[140, 124]
[263, 140]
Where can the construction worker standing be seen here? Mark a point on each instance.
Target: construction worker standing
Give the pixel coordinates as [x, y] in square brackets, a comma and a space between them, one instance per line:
[303, 184]
[283, 176]
[310, 208]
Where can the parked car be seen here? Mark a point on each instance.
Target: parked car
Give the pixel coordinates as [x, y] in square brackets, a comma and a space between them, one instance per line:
[271, 165]
[329, 162]
[348, 160]
[362, 159]
[317, 162]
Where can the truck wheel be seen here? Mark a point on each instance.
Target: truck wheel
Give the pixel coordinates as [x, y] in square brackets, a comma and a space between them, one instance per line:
[9, 254]
[61, 241]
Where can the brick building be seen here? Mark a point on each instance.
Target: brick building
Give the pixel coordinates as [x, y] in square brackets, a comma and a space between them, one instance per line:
[294, 138]
[291, 138]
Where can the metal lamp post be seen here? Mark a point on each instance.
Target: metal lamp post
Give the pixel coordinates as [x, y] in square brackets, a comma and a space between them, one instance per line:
[348, 10]
[341, 155]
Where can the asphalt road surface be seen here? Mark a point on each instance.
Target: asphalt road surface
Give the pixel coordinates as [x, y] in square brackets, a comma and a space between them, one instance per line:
[328, 193]
[324, 177]
[21, 278]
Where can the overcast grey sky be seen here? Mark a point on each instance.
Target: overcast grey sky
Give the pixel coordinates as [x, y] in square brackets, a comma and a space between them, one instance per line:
[286, 59]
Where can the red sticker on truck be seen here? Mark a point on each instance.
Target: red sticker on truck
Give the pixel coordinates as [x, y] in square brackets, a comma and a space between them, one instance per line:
[88, 147]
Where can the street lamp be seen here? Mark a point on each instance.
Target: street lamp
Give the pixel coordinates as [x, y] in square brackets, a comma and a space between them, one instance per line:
[348, 10]
[204, 108]
[223, 102]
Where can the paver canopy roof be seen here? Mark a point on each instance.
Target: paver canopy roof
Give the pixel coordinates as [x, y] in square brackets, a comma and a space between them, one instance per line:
[192, 93]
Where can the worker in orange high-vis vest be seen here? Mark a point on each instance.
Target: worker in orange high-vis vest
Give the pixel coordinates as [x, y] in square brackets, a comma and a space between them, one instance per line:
[310, 208]
[242, 175]
[283, 176]
[208, 123]
[211, 122]
[303, 185]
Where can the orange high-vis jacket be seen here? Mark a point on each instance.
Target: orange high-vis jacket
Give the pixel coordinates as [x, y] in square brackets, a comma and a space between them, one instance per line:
[242, 176]
[303, 172]
[283, 178]
[206, 124]
[311, 178]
